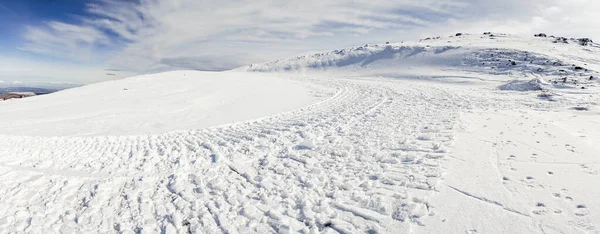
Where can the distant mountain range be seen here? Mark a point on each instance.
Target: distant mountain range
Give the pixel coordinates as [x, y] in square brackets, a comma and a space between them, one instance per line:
[39, 90]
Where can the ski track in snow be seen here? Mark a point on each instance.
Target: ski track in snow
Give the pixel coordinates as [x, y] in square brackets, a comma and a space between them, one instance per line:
[366, 159]
[369, 159]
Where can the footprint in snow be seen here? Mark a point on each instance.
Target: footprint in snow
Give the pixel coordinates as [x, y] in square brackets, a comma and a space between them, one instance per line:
[534, 158]
[570, 148]
[581, 210]
[530, 182]
[588, 170]
[540, 209]
[424, 138]
[558, 211]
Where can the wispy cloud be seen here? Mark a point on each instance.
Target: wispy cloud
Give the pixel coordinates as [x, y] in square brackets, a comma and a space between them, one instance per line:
[77, 42]
[152, 35]
[31, 71]
[188, 33]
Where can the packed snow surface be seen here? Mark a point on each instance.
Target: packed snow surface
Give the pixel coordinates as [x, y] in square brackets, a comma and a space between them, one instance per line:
[436, 136]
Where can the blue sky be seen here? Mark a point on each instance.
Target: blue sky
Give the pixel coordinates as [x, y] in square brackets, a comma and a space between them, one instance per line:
[89, 41]
[16, 14]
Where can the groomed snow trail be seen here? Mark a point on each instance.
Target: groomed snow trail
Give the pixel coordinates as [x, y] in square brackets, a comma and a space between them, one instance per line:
[365, 160]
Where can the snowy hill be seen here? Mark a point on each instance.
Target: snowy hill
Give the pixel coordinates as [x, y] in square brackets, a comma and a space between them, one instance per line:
[180, 100]
[495, 54]
[462, 134]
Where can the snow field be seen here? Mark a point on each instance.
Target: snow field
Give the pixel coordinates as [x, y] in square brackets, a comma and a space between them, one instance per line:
[339, 165]
[529, 172]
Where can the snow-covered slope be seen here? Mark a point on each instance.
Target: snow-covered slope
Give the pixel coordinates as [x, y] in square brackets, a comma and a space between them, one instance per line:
[348, 141]
[180, 100]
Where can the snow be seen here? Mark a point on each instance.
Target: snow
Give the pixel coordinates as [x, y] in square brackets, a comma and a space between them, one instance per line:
[163, 102]
[520, 85]
[539, 176]
[392, 138]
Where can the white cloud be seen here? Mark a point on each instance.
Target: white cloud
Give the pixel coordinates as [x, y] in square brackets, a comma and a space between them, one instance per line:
[160, 35]
[65, 41]
[574, 18]
[38, 72]
[155, 33]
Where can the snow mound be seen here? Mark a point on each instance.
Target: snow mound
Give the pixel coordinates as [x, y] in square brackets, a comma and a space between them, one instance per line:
[536, 84]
